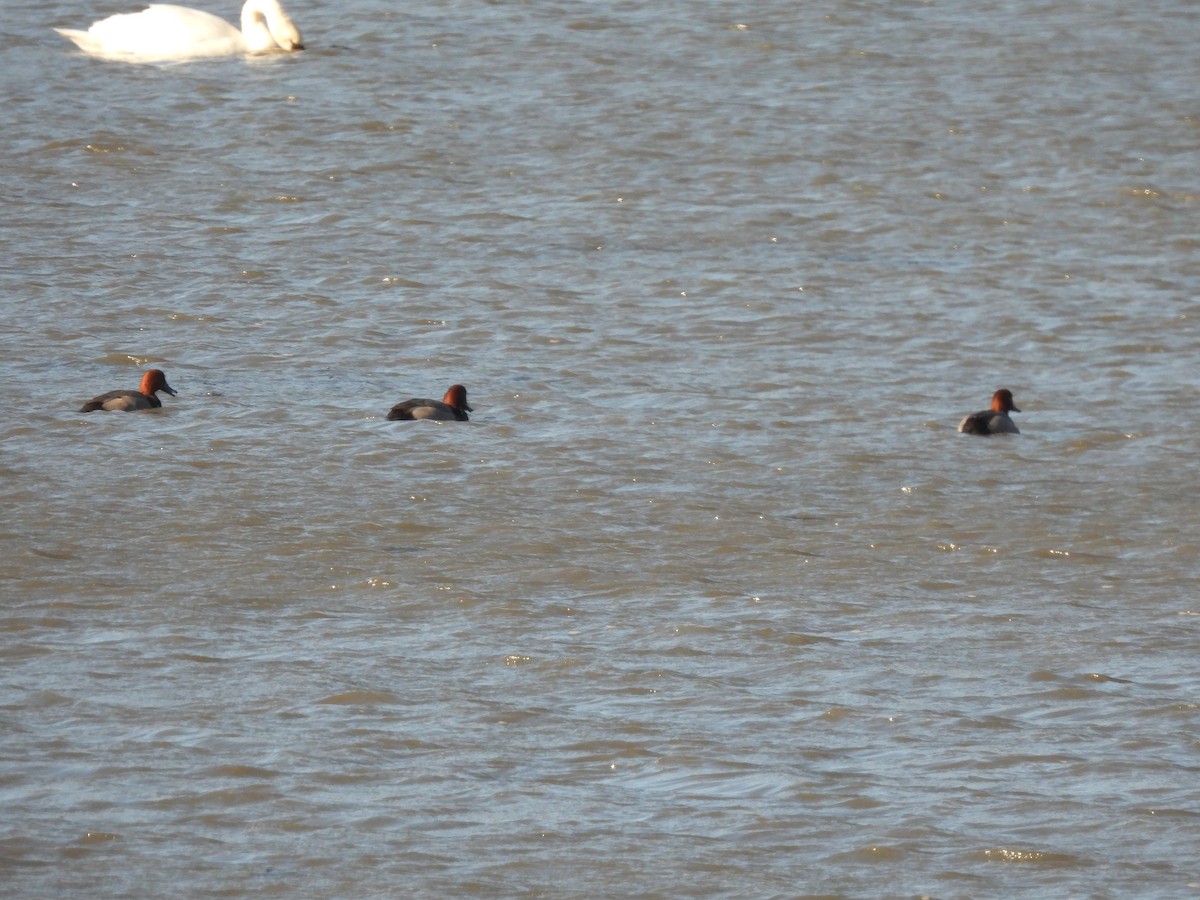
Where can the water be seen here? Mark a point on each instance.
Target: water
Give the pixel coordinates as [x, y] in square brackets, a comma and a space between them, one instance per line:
[708, 598]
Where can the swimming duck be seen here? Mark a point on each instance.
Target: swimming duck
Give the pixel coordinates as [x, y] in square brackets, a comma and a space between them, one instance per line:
[164, 32]
[452, 407]
[994, 420]
[143, 398]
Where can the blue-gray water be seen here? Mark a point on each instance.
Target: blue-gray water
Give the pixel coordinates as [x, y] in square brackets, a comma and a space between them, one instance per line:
[709, 598]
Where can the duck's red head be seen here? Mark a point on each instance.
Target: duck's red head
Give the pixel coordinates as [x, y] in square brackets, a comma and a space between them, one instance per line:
[1002, 401]
[456, 397]
[154, 380]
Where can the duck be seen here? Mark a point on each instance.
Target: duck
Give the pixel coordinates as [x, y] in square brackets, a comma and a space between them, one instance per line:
[994, 420]
[143, 398]
[164, 32]
[452, 407]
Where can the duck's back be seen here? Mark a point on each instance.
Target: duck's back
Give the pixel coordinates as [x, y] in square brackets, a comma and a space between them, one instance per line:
[126, 401]
[988, 422]
[425, 409]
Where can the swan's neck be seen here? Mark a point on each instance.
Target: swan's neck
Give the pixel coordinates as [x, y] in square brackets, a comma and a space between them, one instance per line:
[265, 26]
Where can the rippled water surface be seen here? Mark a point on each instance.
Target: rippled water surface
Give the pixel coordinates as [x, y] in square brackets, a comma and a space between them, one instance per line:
[709, 598]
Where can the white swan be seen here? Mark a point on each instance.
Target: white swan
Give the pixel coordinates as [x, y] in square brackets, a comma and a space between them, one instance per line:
[165, 32]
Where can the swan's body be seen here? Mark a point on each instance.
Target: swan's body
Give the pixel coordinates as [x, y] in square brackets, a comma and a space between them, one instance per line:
[165, 32]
